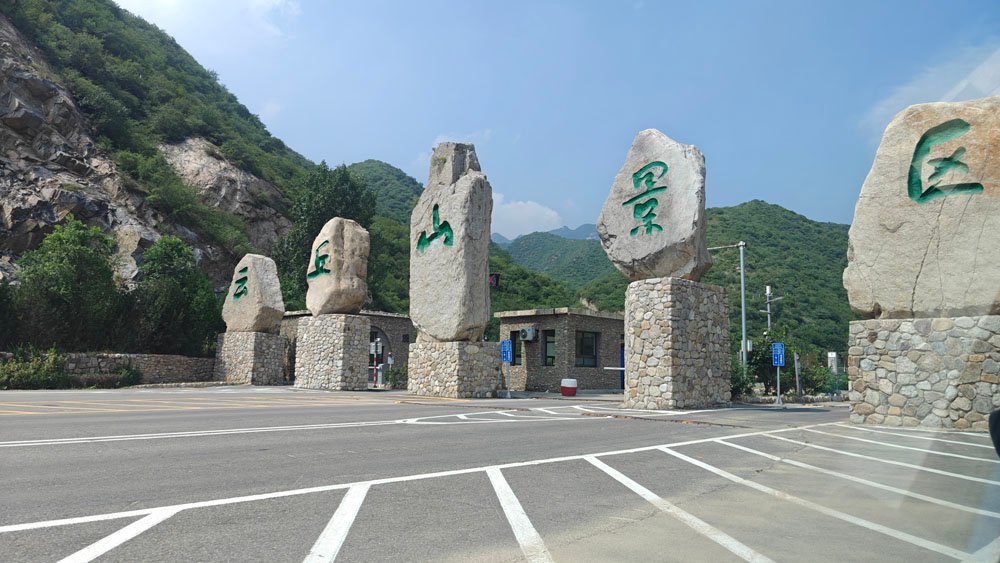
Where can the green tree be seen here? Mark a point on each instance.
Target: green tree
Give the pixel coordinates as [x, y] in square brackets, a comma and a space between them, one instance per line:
[68, 296]
[8, 318]
[178, 311]
[389, 266]
[323, 194]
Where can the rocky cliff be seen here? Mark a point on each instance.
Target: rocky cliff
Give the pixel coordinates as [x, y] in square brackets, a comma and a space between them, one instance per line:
[50, 167]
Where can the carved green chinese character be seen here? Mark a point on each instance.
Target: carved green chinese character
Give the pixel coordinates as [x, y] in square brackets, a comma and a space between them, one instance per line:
[319, 262]
[441, 230]
[934, 136]
[646, 177]
[241, 284]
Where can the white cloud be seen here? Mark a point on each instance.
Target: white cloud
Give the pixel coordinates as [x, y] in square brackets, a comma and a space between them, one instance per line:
[228, 27]
[515, 218]
[972, 73]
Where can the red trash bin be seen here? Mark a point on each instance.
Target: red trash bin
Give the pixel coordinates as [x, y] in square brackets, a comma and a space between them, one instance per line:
[568, 387]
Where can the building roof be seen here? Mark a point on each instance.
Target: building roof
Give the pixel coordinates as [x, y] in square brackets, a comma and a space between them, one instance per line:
[306, 313]
[558, 311]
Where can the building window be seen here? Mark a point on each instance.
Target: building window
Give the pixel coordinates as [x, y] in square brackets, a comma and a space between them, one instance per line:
[549, 337]
[406, 338]
[586, 349]
[515, 341]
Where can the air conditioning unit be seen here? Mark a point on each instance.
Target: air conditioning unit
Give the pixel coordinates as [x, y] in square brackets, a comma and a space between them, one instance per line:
[529, 334]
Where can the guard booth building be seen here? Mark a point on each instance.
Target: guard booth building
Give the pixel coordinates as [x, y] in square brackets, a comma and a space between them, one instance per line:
[552, 344]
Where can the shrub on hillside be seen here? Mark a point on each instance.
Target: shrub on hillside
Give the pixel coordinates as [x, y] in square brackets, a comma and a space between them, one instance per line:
[31, 369]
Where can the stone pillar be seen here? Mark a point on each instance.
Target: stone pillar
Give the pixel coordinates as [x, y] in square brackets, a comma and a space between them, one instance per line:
[454, 369]
[937, 373]
[676, 345]
[331, 352]
[255, 358]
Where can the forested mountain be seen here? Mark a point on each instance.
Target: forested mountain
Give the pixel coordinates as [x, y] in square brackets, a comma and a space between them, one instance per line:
[395, 190]
[574, 262]
[522, 288]
[802, 260]
[586, 231]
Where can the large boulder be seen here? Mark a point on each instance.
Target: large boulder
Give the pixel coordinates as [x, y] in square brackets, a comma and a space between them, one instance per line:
[925, 241]
[450, 248]
[653, 222]
[253, 302]
[222, 185]
[338, 268]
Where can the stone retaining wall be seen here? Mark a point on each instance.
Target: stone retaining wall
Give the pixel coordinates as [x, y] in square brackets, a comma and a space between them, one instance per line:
[154, 368]
[938, 373]
[454, 369]
[676, 344]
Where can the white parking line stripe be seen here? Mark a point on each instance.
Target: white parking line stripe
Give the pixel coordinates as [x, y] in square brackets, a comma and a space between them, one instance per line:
[194, 433]
[104, 545]
[891, 532]
[913, 436]
[989, 553]
[328, 544]
[531, 543]
[889, 461]
[938, 431]
[902, 447]
[325, 488]
[697, 524]
[866, 482]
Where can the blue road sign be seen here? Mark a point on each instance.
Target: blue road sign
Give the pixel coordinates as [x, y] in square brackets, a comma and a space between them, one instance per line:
[506, 351]
[778, 354]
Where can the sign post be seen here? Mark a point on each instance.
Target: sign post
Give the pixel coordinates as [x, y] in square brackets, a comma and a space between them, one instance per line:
[506, 356]
[778, 360]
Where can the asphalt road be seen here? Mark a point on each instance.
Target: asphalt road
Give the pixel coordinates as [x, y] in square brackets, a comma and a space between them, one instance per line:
[276, 474]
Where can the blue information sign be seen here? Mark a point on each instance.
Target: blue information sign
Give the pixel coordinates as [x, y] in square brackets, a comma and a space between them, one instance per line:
[778, 354]
[506, 351]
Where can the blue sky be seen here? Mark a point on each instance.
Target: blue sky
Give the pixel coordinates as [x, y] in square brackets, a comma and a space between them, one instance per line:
[787, 99]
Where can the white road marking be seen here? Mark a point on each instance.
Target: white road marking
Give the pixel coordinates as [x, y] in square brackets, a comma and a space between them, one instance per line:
[989, 553]
[874, 484]
[939, 431]
[889, 461]
[902, 447]
[328, 544]
[325, 488]
[255, 430]
[530, 541]
[104, 545]
[718, 536]
[190, 434]
[640, 412]
[891, 532]
[915, 436]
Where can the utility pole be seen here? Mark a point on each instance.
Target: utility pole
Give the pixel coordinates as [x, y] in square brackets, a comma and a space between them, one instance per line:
[743, 308]
[743, 300]
[769, 299]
